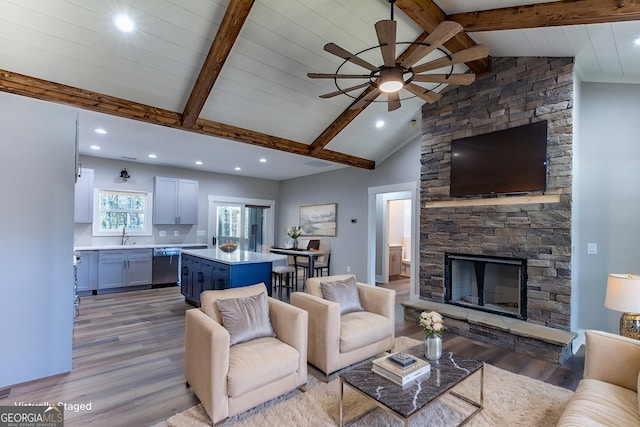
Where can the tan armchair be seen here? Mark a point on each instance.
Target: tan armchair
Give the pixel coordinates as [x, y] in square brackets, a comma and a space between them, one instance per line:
[608, 392]
[231, 379]
[337, 341]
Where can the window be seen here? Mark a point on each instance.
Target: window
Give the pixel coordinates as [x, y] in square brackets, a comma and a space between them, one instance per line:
[115, 210]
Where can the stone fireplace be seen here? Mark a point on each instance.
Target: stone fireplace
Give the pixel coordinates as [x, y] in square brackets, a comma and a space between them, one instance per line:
[535, 227]
[494, 285]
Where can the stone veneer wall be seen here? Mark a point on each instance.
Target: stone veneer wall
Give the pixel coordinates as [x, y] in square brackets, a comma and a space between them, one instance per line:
[518, 91]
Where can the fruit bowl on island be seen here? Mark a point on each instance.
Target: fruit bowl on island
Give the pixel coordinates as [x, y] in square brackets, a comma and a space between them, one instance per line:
[228, 247]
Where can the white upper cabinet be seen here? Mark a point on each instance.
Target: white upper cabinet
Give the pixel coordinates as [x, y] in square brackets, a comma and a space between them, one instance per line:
[175, 201]
[83, 205]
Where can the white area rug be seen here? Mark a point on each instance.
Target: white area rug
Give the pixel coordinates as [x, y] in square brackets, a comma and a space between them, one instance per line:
[509, 400]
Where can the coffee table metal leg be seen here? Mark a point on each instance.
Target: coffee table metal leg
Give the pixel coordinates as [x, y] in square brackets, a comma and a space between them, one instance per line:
[341, 396]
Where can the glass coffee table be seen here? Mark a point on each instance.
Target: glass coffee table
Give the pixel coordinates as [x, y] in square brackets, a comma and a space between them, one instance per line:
[410, 400]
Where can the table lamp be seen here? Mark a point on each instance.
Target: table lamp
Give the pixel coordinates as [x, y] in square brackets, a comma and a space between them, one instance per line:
[623, 294]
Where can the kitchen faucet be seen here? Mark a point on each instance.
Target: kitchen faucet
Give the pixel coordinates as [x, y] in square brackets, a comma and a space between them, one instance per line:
[124, 236]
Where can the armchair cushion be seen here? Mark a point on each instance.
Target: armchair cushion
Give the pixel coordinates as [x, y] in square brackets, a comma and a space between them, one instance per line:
[344, 292]
[245, 318]
[247, 362]
[359, 329]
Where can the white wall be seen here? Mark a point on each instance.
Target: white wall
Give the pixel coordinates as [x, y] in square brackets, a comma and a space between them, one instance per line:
[107, 174]
[396, 222]
[348, 188]
[36, 254]
[606, 198]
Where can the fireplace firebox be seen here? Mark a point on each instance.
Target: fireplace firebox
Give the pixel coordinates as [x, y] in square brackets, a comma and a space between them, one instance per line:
[492, 284]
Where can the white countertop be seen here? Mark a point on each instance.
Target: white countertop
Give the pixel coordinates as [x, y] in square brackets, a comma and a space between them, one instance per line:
[163, 245]
[235, 257]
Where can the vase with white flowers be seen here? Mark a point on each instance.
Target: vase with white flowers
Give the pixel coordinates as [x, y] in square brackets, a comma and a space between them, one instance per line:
[433, 325]
[294, 232]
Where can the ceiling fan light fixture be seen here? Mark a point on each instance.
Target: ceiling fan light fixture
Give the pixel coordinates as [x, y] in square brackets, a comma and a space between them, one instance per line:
[390, 81]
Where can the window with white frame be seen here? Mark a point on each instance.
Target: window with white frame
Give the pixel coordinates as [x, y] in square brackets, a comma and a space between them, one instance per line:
[116, 210]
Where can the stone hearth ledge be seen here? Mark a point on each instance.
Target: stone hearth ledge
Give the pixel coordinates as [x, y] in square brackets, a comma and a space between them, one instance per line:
[520, 328]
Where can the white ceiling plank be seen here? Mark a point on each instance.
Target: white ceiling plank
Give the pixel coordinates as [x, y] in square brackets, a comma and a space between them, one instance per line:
[602, 39]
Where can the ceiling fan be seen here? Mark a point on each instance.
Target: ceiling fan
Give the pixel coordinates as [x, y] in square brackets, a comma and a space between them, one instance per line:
[401, 72]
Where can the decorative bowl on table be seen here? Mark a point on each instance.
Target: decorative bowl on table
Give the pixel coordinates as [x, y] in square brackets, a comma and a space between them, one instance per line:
[228, 247]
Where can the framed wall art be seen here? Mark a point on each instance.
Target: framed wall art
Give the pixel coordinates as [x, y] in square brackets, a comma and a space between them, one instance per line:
[319, 220]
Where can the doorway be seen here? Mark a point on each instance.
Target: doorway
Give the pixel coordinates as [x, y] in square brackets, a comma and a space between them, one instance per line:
[393, 223]
[247, 222]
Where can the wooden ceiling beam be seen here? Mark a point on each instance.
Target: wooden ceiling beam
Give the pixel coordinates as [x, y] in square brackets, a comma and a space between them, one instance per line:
[557, 13]
[232, 22]
[428, 16]
[341, 122]
[44, 90]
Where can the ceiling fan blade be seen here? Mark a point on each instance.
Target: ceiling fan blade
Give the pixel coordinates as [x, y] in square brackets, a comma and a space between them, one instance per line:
[349, 89]
[365, 100]
[423, 93]
[393, 101]
[344, 54]
[453, 79]
[337, 76]
[386, 31]
[442, 33]
[467, 55]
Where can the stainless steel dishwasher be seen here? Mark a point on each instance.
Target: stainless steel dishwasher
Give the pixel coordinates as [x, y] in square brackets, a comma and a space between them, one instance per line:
[166, 266]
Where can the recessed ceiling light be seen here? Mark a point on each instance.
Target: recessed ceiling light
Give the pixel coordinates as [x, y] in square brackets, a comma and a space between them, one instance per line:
[123, 23]
[95, 147]
[198, 162]
[379, 123]
[238, 168]
[263, 160]
[637, 41]
[152, 156]
[100, 131]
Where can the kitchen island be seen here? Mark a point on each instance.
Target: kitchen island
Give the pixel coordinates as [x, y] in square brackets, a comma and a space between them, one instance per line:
[207, 269]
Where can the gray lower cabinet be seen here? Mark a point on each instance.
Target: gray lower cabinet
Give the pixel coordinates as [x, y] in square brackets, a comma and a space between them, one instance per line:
[123, 268]
[87, 272]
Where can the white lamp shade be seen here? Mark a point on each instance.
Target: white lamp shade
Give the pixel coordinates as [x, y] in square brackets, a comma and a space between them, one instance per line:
[623, 293]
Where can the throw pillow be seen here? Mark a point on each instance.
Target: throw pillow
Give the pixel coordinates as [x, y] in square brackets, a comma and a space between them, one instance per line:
[344, 292]
[245, 318]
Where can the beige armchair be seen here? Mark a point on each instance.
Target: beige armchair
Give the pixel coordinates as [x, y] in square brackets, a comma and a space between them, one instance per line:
[337, 341]
[608, 392]
[229, 379]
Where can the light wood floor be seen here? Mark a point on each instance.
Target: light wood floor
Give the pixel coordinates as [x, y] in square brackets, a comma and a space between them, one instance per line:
[128, 360]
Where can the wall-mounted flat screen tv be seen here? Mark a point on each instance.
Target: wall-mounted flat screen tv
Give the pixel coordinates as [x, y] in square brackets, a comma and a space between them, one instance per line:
[509, 161]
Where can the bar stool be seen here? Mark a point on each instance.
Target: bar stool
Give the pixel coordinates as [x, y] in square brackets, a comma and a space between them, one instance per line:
[281, 271]
[280, 268]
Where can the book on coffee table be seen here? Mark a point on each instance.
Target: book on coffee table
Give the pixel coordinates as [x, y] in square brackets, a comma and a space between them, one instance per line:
[402, 376]
[402, 359]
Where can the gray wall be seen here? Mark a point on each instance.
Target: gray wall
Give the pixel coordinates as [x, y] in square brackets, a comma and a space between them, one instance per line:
[606, 197]
[107, 174]
[348, 188]
[36, 297]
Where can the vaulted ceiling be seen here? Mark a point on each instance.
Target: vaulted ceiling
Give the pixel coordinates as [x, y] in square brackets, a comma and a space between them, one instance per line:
[226, 80]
